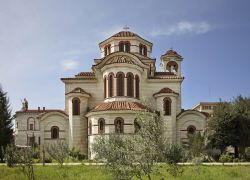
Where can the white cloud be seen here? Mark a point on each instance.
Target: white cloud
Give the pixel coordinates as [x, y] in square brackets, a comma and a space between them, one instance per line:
[69, 64]
[183, 27]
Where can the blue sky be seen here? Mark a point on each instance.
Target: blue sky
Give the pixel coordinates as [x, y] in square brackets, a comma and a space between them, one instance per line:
[42, 41]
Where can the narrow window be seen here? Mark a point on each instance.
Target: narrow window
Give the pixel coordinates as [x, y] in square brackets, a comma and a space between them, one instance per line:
[107, 49]
[167, 106]
[31, 127]
[120, 84]
[76, 106]
[119, 123]
[110, 84]
[127, 47]
[105, 88]
[54, 132]
[145, 51]
[130, 85]
[140, 48]
[137, 87]
[101, 126]
[121, 46]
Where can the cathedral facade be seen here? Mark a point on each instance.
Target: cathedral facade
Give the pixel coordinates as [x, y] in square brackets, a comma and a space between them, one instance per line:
[107, 99]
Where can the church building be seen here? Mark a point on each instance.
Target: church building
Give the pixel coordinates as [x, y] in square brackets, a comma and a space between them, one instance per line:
[107, 99]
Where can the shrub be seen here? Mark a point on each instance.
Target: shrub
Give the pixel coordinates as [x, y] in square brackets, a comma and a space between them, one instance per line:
[48, 160]
[226, 158]
[12, 155]
[247, 152]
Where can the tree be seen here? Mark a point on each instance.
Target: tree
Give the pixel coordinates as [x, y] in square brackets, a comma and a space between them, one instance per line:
[136, 155]
[230, 125]
[195, 144]
[6, 131]
[26, 162]
[12, 155]
[58, 150]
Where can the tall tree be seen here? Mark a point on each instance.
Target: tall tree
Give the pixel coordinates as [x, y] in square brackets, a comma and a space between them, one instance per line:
[6, 131]
[230, 125]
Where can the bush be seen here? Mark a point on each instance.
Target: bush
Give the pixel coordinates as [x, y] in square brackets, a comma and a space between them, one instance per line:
[247, 152]
[48, 160]
[12, 155]
[77, 155]
[226, 158]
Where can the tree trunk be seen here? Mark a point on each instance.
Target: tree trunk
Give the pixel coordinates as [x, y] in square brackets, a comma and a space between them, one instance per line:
[236, 152]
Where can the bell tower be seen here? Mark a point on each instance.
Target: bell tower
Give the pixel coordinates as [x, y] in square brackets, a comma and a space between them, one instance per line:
[171, 62]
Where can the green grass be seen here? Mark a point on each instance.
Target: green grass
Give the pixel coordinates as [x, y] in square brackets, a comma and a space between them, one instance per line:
[99, 173]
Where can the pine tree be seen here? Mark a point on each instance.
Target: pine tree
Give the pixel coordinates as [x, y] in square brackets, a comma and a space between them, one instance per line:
[6, 131]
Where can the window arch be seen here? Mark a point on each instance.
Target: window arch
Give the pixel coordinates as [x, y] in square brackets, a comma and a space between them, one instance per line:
[101, 126]
[107, 50]
[130, 84]
[76, 106]
[167, 106]
[191, 129]
[137, 126]
[90, 127]
[31, 124]
[105, 86]
[111, 85]
[137, 87]
[54, 132]
[120, 84]
[143, 49]
[119, 123]
[124, 46]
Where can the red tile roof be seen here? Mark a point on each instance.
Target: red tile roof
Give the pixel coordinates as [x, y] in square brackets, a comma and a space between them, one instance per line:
[85, 74]
[120, 105]
[125, 34]
[78, 90]
[165, 90]
[172, 53]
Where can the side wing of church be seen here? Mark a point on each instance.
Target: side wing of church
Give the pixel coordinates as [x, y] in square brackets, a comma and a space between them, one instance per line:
[107, 99]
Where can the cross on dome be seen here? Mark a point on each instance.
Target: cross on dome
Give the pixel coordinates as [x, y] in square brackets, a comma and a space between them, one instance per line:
[126, 28]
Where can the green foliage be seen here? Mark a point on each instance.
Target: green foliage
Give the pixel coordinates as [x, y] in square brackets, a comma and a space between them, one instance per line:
[230, 125]
[226, 158]
[6, 130]
[48, 160]
[26, 162]
[58, 150]
[195, 145]
[77, 155]
[12, 155]
[247, 151]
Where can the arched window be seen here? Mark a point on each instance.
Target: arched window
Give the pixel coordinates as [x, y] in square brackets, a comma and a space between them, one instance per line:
[167, 106]
[111, 84]
[76, 106]
[54, 132]
[124, 46]
[137, 126]
[127, 46]
[119, 123]
[105, 86]
[120, 84]
[130, 85]
[143, 50]
[31, 124]
[191, 129]
[137, 87]
[90, 127]
[107, 50]
[101, 126]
